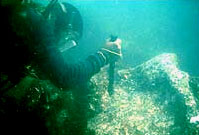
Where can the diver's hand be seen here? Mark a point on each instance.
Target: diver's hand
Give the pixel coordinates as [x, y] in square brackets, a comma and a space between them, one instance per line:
[114, 48]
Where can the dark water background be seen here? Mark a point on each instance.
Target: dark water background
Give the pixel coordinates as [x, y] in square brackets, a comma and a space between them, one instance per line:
[146, 27]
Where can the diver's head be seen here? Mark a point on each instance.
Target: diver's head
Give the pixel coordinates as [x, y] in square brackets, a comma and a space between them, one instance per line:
[68, 25]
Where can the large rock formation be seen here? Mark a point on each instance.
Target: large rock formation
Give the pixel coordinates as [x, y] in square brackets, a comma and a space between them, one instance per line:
[152, 98]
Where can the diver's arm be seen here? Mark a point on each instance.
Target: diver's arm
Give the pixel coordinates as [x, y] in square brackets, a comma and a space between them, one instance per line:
[82, 72]
[76, 74]
[69, 75]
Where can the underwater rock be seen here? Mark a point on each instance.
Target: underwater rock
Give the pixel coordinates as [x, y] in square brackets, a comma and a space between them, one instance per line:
[39, 107]
[152, 98]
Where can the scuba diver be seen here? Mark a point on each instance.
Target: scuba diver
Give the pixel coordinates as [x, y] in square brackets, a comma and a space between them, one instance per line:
[44, 38]
[68, 29]
[50, 35]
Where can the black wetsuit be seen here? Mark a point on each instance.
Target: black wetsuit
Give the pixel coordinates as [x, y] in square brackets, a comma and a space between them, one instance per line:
[31, 38]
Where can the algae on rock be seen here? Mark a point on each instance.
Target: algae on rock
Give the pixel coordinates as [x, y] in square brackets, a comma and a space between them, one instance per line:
[152, 98]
